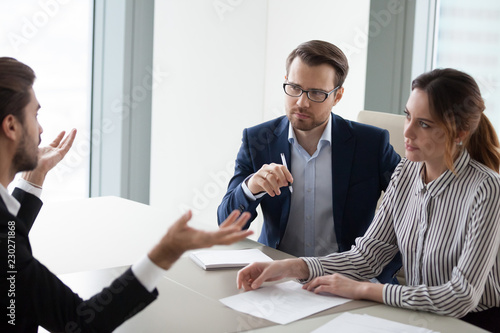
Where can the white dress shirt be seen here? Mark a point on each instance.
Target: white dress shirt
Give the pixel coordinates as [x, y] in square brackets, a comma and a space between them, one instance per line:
[310, 231]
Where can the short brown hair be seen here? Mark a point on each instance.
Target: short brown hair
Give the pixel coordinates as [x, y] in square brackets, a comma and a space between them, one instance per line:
[16, 79]
[455, 102]
[318, 52]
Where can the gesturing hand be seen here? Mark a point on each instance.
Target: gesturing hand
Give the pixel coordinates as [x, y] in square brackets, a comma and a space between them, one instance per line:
[181, 237]
[49, 156]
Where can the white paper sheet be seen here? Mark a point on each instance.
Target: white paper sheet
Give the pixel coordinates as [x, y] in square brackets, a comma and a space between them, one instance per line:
[356, 323]
[282, 303]
[212, 259]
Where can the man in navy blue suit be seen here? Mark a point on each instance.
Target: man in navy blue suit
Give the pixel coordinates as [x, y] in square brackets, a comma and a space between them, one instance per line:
[337, 169]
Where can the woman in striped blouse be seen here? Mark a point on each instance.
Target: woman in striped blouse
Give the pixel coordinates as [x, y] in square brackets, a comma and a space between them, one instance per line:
[441, 210]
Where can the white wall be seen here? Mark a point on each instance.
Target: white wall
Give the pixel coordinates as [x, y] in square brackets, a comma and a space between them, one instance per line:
[343, 23]
[221, 65]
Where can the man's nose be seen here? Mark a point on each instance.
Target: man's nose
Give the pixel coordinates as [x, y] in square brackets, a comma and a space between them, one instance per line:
[303, 100]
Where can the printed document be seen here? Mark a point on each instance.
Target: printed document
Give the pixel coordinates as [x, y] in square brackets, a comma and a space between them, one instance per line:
[282, 303]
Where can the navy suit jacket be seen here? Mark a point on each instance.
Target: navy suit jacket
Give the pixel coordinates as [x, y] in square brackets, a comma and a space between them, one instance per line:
[33, 296]
[362, 164]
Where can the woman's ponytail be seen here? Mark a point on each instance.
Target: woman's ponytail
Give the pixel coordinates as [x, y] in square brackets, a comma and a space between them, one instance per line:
[483, 145]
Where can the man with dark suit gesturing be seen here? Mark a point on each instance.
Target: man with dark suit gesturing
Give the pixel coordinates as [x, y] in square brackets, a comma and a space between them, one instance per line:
[338, 168]
[32, 296]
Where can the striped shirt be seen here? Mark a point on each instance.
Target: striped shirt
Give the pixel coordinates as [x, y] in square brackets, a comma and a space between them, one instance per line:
[448, 233]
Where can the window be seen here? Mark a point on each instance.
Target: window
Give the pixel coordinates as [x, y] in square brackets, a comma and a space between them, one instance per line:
[468, 39]
[54, 37]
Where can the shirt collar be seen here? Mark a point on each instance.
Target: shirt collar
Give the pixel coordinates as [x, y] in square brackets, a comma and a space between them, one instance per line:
[325, 137]
[438, 185]
[10, 202]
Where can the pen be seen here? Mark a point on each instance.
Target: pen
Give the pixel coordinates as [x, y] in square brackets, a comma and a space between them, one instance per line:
[283, 160]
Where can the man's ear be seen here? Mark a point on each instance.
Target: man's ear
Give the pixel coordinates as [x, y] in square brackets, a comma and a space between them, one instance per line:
[11, 127]
[338, 95]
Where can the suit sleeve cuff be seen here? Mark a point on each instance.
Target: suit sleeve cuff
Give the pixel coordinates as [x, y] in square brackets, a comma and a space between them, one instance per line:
[147, 273]
[26, 186]
[250, 196]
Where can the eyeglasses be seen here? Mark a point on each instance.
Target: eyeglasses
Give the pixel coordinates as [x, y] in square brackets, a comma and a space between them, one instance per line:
[318, 96]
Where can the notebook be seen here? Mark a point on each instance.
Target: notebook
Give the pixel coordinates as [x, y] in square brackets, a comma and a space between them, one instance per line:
[215, 259]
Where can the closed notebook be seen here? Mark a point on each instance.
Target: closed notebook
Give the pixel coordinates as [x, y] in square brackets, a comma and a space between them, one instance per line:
[214, 259]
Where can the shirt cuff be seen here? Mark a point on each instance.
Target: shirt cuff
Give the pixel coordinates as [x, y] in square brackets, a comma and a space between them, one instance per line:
[248, 193]
[392, 294]
[315, 268]
[26, 186]
[148, 273]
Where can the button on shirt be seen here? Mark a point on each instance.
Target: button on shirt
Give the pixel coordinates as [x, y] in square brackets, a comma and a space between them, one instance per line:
[310, 230]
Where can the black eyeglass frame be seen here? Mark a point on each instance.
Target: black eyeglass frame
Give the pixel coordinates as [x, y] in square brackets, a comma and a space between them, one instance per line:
[327, 93]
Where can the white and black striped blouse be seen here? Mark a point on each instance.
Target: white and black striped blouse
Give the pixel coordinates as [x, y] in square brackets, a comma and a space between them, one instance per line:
[448, 233]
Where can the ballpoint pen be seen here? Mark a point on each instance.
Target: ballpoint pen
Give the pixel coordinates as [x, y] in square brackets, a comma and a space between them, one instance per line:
[283, 160]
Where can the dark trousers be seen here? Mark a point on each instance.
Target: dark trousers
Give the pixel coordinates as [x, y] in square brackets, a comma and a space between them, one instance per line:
[487, 319]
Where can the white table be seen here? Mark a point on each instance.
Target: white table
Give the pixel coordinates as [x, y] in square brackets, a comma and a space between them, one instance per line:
[94, 240]
[89, 234]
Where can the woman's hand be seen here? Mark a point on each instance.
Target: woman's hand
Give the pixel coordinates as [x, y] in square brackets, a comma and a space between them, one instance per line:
[343, 286]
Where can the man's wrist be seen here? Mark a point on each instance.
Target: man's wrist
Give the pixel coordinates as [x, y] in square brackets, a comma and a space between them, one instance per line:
[34, 178]
[248, 193]
[163, 258]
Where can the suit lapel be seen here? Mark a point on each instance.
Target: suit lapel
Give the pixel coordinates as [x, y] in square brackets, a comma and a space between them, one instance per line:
[282, 146]
[343, 144]
[2, 204]
[3, 207]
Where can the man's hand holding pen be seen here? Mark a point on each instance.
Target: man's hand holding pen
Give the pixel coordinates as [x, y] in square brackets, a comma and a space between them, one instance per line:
[270, 178]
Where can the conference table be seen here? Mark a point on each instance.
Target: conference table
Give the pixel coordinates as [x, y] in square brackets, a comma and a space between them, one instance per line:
[188, 295]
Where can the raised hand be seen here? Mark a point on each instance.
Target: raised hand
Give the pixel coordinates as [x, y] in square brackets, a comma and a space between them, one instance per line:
[49, 156]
